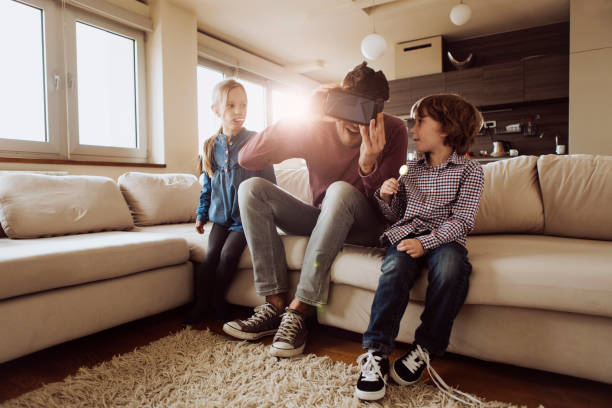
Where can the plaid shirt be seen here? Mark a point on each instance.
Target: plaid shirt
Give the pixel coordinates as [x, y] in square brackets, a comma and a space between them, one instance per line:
[437, 204]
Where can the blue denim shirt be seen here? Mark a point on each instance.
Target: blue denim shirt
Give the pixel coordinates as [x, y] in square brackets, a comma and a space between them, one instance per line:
[219, 197]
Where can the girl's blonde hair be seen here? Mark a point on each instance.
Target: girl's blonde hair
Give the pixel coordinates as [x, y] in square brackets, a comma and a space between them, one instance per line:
[219, 97]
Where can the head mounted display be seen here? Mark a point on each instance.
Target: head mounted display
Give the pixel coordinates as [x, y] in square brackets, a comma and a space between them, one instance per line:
[352, 107]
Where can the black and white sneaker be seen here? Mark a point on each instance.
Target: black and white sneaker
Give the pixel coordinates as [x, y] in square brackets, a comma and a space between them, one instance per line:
[290, 338]
[372, 382]
[409, 368]
[263, 322]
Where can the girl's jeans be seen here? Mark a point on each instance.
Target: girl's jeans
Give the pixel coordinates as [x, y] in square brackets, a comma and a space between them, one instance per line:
[345, 215]
[448, 281]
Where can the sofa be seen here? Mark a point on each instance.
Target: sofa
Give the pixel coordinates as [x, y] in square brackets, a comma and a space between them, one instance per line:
[83, 254]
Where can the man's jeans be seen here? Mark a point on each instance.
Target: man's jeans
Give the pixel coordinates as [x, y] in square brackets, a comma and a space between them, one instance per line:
[449, 272]
[345, 216]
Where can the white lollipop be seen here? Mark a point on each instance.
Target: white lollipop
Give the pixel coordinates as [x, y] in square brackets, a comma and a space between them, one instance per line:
[403, 170]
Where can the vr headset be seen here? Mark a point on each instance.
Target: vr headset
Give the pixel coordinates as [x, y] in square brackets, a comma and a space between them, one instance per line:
[352, 107]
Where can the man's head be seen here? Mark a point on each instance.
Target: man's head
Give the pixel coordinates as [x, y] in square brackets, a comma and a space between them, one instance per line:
[365, 81]
[459, 120]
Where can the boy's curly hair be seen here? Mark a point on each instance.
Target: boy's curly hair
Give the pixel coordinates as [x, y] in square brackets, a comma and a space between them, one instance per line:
[458, 118]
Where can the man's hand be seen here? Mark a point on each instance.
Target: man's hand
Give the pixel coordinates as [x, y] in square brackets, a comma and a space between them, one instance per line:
[372, 143]
[412, 247]
[199, 226]
[389, 189]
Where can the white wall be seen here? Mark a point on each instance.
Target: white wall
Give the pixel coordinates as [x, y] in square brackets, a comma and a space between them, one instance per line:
[590, 100]
[172, 53]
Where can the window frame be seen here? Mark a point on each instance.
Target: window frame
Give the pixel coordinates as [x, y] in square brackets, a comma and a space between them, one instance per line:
[53, 91]
[61, 96]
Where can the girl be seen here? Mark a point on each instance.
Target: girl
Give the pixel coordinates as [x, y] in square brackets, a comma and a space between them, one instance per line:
[219, 201]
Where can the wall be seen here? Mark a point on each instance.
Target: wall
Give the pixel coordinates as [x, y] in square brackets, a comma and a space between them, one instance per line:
[172, 98]
[590, 108]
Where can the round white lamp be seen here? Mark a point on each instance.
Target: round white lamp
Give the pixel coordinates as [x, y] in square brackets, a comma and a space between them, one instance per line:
[373, 46]
[460, 14]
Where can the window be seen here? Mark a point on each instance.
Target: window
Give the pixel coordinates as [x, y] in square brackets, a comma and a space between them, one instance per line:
[76, 93]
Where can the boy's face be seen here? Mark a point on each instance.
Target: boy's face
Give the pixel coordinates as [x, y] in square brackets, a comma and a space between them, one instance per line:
[427, 134]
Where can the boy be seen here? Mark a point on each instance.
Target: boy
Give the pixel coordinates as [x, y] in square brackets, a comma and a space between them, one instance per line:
[431, 209]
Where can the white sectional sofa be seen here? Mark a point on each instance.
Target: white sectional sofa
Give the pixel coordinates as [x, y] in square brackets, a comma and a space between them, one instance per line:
[540, 292]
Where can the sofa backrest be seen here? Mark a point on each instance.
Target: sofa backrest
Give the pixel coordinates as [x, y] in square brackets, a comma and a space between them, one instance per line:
[511, 201]
[161, 198]
[36, 205]
[577, 195]
[295, 181]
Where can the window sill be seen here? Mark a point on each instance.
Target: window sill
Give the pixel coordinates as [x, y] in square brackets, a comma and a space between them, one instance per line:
[80, 162]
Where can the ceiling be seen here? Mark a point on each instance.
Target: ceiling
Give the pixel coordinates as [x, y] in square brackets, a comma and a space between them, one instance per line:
[294, 33]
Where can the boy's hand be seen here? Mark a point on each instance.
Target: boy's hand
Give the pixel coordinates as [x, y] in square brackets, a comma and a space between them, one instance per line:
[199, 226]
[412, 247]
[372, 143]
[388, 189]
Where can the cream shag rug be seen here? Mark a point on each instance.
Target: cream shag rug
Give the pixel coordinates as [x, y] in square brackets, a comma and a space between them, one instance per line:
[195, 368]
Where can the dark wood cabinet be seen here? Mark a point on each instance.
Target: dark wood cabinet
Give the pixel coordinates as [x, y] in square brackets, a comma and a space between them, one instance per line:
[467, 83]
[533, 79]
[403, 93]
[546, 77]
[502, 83]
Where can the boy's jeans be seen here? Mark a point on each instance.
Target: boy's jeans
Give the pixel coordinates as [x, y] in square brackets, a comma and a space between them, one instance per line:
[448, 281]
[345, 215]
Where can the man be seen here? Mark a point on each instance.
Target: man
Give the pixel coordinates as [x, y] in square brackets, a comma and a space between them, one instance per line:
[347, 162]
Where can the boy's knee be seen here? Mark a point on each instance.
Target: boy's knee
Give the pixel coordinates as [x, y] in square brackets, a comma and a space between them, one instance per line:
[450, 264]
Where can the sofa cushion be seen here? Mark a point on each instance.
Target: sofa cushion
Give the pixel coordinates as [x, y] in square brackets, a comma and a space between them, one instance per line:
[540, 271]
[511, 201]
[28, 266]
[296, 182]
[577, 194]
[161, 198]
[295, 246]
[532, 271]
[36, 205]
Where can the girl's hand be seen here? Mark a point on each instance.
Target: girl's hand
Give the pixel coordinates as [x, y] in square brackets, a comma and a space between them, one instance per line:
[199, 226]
[372, 143]
[388, 190]
[412, 247]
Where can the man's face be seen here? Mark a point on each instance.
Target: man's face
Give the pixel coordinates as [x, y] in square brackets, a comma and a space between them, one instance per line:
[348, 133]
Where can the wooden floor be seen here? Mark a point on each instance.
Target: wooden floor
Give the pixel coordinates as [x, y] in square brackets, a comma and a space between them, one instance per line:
[491, 381]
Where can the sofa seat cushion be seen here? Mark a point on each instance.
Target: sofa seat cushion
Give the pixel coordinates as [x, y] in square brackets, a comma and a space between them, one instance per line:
[532, 271]
[295, 246]
[545, 272]
[34, 265]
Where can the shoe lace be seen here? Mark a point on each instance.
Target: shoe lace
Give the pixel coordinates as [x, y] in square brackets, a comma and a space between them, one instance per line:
[370, 369]
[420, 356]
[261, 313]
[290, 325]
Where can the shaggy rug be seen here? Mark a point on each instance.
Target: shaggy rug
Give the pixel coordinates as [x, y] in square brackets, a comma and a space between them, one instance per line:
[194, 368]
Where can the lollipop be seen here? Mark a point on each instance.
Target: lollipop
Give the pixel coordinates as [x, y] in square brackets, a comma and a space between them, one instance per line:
[403, 170]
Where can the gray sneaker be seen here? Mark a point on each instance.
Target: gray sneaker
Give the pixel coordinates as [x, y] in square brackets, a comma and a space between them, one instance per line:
[263, 322]
[290, 338]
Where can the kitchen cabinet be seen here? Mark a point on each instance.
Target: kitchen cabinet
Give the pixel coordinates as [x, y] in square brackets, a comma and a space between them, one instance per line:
[502, 83]
[467, 83]
[546, 77]
[532, 79]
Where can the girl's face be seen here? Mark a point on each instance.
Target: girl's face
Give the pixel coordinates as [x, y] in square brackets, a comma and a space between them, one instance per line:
[427, 134]
[234, 112]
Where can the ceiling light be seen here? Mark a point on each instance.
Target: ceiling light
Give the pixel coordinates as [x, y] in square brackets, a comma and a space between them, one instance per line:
[373, 46]
[460, 14]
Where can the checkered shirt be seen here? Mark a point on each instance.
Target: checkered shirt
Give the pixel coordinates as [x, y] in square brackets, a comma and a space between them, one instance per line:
[437, 204]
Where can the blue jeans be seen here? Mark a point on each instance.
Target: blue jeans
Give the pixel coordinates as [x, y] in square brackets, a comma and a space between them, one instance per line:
[448, 282]
[345, 216]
